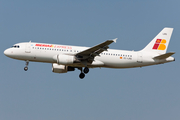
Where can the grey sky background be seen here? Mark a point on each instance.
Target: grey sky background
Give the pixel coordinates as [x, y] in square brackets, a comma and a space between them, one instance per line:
[148, 93]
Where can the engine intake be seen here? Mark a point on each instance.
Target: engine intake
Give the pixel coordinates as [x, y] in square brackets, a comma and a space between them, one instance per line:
[61, 68]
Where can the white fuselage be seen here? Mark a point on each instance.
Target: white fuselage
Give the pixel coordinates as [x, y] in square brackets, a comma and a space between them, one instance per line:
[41, 52]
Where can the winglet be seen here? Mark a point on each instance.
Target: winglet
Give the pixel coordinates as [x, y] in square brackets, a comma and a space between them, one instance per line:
[115, 40]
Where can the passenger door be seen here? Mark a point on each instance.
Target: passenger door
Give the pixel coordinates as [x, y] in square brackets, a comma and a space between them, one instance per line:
[28, 47]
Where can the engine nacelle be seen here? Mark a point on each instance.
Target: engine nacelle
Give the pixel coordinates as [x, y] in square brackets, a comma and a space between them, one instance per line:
[65, 59]
[61, 68]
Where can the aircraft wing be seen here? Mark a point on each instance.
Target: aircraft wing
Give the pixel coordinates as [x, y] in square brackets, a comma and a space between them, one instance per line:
[96, 50]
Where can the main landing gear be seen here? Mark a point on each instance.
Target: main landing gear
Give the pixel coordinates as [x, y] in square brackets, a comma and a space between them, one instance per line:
[26, 68]
[83, 72]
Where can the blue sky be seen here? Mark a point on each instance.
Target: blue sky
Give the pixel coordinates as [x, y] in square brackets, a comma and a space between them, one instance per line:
[127, 94]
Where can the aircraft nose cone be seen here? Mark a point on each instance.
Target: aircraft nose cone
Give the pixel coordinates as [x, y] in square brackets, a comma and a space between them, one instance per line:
[7, 52]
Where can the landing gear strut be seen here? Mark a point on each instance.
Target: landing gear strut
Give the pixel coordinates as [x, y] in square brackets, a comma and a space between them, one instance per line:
[82, 75]
[27, 63]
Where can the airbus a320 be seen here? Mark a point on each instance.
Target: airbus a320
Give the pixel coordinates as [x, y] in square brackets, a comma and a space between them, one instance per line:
[65, 58]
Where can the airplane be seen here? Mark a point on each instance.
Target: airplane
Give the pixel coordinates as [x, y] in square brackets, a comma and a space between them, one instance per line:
[65, 58]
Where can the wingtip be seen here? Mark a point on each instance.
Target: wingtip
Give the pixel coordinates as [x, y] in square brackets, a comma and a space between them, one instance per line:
[115, 40]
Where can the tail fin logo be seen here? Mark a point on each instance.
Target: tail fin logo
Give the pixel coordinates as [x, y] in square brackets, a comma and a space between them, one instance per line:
[160, 44]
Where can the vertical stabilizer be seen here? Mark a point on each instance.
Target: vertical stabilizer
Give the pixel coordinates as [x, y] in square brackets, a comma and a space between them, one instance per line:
[160, 43]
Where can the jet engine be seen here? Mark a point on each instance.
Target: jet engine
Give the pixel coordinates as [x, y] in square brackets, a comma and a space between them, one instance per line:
[65, 59]
[61, 68]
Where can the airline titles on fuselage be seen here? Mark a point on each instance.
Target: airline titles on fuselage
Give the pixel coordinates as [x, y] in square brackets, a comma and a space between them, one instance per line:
[53, 46]
[70, 49]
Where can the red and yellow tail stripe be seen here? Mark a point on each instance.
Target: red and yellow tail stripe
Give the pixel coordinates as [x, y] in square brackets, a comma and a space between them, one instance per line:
[160, 44]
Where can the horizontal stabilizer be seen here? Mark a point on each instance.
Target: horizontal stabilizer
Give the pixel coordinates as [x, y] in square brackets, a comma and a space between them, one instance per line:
[164, 56]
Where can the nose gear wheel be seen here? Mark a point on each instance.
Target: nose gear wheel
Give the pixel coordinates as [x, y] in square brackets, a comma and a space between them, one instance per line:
[27, 63]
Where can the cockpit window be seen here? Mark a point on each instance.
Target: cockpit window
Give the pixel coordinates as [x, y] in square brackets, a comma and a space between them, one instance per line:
[15, 46]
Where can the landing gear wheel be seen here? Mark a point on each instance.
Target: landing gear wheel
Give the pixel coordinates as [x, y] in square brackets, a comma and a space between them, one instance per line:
[25, 68]
[86, 70]
[82, 75]
[27, 63]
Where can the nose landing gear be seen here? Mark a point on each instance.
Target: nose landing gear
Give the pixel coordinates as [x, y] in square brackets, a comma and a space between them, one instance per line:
[26, 68]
